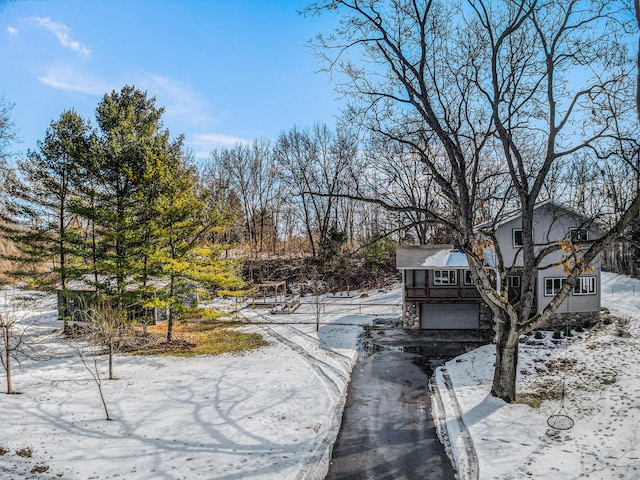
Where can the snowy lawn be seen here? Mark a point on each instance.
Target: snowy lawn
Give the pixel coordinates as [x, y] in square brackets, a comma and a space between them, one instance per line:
[602, 372]
[265, 414]
[274, 413]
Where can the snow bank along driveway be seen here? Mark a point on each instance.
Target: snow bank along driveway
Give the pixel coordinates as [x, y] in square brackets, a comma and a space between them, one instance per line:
[602, 371]
[267, 414]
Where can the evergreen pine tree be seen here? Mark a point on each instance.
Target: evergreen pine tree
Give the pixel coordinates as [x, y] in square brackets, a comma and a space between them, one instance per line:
[39, 217]
[130, 151]
[184, 256]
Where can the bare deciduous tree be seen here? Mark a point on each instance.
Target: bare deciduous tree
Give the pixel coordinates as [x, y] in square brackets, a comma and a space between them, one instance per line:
[249, 172]
[104, 329]
[398, 177]
[311, 163]
[89, 358]
[16, 316]
[467, 87]
[107, 325]
[318, 287]
[7, 129]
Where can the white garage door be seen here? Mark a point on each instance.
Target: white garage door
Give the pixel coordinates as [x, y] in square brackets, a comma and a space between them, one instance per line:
[450, 315]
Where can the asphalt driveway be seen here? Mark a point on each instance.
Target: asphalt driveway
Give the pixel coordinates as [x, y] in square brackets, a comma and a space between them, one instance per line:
[387, 431]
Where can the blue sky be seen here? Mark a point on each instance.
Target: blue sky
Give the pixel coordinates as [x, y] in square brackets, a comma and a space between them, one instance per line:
[225, 70]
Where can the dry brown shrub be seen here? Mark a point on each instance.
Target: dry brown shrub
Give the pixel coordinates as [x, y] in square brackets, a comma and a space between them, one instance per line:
[6, 248]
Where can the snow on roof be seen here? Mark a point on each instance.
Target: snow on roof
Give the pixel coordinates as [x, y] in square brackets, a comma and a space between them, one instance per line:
[436, 256]
[414, 256]
[446, 258]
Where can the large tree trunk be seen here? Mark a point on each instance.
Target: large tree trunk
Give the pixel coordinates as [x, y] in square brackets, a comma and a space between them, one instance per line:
[307, 223]
[504, 377]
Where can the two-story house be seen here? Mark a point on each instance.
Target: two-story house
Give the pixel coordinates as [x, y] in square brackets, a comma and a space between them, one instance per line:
[439, 292]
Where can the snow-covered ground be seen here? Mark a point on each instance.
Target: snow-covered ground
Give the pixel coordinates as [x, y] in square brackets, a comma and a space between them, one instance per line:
[601, 368]
[272, 413]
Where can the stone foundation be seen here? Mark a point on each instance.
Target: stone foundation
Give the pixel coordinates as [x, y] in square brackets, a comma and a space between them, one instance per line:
[410, 319]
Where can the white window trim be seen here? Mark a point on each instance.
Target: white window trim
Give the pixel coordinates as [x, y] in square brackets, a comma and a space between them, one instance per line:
[513, 237]
[576, 229]
[451, 275]
[554, 292]
[587, 280]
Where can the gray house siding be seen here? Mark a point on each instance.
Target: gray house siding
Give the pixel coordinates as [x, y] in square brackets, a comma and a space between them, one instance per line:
[436, 295]
[552, 223]
[575, 302]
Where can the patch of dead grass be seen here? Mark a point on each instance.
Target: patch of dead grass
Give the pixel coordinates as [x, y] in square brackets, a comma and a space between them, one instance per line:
[545, 388]
[196, 337]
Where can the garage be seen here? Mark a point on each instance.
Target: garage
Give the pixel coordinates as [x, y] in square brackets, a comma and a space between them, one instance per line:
[449, 315]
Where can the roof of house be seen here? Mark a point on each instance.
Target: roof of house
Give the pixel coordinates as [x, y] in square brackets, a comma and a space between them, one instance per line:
[514, 214]
[452, 256]
[435, 256]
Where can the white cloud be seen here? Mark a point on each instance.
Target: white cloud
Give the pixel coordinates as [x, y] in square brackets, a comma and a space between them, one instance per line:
[12, 30]
[219, 139]
[182, 103]
[61, 31]
[187, 110]
[65, 78]
[204, 143]
[184, 106]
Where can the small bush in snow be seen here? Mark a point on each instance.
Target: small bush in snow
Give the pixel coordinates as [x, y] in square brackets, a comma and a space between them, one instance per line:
[24, 452]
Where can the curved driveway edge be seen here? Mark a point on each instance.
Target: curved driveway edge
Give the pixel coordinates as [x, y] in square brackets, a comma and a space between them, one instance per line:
[333, 369]
[451, 427]
[318, 466]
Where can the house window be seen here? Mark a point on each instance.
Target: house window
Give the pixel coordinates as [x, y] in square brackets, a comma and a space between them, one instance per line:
[444, 277]
[513, 281]
[516, 236]
[552, 286]
[468, 278]
[585, 286]
[579, 234]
